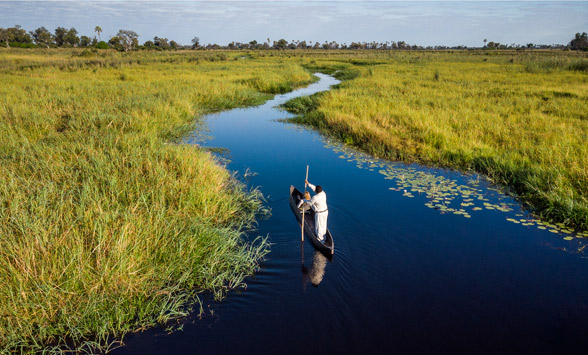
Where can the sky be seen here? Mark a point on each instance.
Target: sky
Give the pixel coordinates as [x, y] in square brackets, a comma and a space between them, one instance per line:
[425, 23]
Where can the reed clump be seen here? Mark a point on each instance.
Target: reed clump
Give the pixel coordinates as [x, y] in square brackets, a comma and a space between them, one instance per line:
[107, 225]
[519, 118]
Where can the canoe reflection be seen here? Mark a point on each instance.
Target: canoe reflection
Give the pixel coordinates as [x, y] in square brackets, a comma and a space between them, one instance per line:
[316, 273]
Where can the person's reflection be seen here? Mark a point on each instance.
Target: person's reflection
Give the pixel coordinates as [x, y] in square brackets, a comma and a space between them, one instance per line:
[316, 273]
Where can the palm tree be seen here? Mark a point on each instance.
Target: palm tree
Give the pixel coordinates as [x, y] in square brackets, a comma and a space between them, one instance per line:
[98, 30]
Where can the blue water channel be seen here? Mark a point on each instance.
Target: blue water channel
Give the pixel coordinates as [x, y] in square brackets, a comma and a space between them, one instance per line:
[426, 260]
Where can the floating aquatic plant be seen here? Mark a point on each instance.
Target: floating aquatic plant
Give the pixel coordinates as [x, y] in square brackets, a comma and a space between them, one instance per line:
[447, 195]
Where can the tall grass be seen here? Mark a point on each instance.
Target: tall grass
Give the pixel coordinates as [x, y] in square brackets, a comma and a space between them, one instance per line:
[520, 119]
[106, 225]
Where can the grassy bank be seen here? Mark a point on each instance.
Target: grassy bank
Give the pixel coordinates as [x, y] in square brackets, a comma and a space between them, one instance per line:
[519, 118]
[106, 225]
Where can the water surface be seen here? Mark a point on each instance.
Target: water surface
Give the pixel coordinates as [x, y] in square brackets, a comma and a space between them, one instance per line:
[426, 260]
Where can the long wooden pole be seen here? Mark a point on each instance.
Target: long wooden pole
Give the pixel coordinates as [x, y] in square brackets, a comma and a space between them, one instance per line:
[303, 213]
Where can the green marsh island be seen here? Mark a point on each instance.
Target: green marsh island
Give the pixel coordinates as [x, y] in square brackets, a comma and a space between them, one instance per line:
[110, 225]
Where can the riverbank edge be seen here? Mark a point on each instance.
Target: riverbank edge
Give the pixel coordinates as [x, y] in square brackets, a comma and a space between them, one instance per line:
[510, 177]
[184, 301]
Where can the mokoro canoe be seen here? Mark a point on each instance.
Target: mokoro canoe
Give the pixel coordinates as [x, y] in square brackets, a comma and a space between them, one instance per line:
[328, 246]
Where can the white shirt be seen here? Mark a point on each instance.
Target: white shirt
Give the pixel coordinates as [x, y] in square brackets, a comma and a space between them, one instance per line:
[318, 201]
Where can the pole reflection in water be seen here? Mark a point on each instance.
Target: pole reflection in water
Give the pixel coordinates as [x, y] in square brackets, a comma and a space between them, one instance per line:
[460, 276]
[316, 273]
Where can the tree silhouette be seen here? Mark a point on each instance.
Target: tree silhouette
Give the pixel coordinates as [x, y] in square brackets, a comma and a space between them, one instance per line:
[580, 42]
[42, 36]
[128, 39]
[98, 30]
[281, 44]
[71, 37]
[5, 36]
[195, 42]
[162, 43]
[60, 33]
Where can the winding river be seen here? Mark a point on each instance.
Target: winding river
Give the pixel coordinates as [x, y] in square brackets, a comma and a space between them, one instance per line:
[426, 260]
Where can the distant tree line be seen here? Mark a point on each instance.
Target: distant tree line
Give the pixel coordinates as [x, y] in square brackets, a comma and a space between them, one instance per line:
[580, 42]
[128, 40]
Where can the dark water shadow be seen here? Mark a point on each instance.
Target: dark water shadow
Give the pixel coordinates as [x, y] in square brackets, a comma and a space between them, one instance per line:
[316, 272]
[428, 261]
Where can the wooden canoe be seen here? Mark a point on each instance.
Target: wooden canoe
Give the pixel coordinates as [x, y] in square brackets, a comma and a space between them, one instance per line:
[328, 246]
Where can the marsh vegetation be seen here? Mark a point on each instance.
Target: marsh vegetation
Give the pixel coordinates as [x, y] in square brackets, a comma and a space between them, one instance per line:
[518, 118]
[107, 225]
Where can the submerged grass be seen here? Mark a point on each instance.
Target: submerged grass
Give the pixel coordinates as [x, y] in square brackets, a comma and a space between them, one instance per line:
[518, 118]
[106, 227]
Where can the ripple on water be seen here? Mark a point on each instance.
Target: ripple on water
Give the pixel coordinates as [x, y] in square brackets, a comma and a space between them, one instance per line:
[454, 193]
[426, 261]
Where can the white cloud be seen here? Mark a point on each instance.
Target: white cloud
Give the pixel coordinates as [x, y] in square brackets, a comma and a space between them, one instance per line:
[424, 23]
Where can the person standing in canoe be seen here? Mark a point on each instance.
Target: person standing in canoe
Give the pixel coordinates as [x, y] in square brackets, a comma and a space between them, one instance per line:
[319, 205]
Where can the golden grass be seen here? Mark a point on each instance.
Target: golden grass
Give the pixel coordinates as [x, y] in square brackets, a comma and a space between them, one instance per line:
[107, 225]
[520, 119]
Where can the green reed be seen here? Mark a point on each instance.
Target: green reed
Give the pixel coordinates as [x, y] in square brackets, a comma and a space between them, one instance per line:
[107, 224]
[518, 117]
